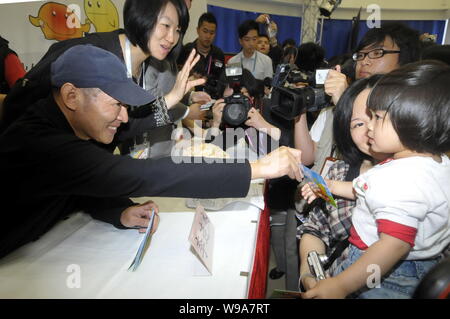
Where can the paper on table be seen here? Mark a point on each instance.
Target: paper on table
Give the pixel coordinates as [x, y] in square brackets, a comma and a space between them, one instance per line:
[201, 238]
[144, 244]
[254, 197]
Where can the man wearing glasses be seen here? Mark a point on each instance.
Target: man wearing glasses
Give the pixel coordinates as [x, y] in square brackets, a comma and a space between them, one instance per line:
[380, 51]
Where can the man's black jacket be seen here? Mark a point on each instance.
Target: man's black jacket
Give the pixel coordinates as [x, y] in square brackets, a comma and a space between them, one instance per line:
[48, 172]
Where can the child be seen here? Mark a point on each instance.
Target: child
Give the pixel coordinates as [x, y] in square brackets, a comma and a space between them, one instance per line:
[401, 222]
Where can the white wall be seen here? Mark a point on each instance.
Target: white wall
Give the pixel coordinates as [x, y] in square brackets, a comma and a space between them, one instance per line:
[197, 9]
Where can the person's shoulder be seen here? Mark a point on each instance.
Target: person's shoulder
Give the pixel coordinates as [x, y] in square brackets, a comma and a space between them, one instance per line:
[216, 50]
[235, 58]
[189, 46]
[266, 58]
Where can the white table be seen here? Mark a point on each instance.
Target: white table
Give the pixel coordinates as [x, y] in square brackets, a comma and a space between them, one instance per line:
[95, 255]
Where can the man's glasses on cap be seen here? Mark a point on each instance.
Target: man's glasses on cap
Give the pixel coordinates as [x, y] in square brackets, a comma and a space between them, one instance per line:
[373, 54]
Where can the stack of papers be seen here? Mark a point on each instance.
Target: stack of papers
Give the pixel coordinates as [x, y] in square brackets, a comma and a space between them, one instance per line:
[144, 244]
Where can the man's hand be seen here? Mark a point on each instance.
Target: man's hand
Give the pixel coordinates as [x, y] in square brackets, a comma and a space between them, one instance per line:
[335, 84]
[138, 216]
[282, 161]
[262, 18]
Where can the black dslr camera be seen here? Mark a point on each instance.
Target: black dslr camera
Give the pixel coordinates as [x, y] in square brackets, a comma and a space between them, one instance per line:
[237, 105]
[289, 102]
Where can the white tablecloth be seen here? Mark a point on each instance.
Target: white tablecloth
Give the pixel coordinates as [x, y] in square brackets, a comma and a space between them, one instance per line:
[95, 255]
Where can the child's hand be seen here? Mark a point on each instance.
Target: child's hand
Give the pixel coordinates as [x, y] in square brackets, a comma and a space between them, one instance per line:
[329, 288]
[310, 192]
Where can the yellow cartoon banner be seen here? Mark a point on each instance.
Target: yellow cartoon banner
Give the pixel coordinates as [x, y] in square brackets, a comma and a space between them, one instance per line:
[31, 27]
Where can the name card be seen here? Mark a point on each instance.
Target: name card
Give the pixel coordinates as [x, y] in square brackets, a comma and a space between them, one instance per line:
[201, 238]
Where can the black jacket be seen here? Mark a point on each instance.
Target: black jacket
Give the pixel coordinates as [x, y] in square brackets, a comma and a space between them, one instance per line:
[48, 172]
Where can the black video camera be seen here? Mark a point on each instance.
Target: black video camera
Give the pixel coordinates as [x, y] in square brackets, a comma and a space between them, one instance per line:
[289, 102]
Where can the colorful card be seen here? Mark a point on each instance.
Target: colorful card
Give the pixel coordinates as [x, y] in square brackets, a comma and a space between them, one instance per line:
[314, 177]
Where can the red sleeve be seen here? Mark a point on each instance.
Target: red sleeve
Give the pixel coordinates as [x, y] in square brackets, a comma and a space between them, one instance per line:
[399, 231]
[13, 69]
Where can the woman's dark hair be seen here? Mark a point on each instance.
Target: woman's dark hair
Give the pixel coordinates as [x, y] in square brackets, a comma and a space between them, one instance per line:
[417, 99]
[407, 40]
[289, 42]
[140, 19]
[288, 52]
[342, 119]
[310, 57]
[437, 52]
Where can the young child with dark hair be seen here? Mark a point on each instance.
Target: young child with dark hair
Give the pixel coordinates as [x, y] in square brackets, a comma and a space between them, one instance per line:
[401, 222]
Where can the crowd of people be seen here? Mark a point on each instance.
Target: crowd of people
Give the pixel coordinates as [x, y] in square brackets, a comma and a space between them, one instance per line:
[381, 141]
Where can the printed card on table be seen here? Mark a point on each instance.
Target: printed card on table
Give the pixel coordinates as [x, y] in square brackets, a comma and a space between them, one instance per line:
[201, 238]
[314, 177]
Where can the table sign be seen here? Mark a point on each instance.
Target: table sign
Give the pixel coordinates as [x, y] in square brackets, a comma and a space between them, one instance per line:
[201, 238]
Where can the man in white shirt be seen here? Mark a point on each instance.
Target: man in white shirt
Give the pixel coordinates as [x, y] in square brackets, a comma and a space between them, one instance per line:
[259, 64]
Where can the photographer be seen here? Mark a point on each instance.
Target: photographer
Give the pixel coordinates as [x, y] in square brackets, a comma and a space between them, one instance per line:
[211, 57]
[243, 92]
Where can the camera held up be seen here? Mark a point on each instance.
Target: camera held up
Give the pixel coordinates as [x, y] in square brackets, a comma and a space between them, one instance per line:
[237, 105]
[288, 101]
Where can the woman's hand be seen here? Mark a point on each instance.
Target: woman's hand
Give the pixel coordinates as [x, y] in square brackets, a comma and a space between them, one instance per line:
[183, 84]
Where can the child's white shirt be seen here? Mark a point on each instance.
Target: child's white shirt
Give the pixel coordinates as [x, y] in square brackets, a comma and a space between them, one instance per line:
[414, 192]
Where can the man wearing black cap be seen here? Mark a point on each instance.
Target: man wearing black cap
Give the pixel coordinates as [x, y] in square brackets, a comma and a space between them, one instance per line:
[52, 164]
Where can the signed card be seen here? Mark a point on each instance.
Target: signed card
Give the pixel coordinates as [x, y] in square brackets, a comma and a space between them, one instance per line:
[314, 177]
[201, 238]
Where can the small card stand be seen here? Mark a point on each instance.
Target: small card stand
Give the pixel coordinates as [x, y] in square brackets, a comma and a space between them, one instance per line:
[201, 238]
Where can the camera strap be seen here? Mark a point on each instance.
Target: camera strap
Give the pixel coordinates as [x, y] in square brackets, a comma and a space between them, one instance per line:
[340, 247]
[129, 64]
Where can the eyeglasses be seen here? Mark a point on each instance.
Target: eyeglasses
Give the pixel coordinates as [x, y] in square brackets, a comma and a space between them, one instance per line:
[373, 54]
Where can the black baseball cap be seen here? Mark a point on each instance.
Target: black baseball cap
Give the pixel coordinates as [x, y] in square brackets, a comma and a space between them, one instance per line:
[88, 66]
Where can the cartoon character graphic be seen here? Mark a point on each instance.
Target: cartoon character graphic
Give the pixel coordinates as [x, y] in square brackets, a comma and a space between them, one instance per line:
[58, 22]
[102, 14]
